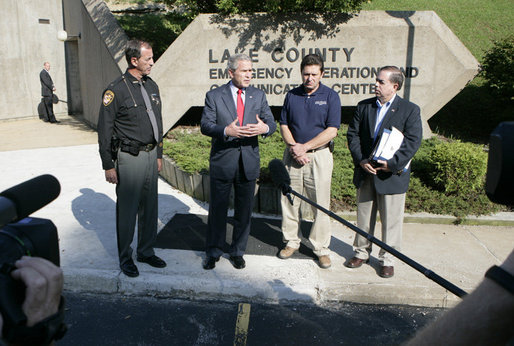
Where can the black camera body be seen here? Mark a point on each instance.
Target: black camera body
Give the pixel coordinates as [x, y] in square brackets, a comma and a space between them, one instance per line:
[21, 235]
[28, 237]
[499, 184]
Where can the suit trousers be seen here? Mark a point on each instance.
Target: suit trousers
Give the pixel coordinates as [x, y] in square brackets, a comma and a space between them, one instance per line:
[244, 191]
[136, 197]
[312, 180]
[391, 209]
[49, 109]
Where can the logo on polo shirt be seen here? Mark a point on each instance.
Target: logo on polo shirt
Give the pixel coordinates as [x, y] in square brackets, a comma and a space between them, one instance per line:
[320, 103]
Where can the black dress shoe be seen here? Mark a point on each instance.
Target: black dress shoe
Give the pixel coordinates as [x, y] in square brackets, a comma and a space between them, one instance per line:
[55, 121]
[129, 268]
[238, 262]
[153, 260]
[210, 262]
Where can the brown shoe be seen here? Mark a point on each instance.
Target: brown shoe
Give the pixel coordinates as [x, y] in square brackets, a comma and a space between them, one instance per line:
[286, 252]
[324, 261]
[356, 262]
[386, 271]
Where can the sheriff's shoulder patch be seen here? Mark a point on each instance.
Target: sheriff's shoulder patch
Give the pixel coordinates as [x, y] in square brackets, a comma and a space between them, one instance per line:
[108, 97]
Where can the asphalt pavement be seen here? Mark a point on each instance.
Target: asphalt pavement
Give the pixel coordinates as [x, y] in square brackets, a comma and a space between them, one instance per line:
[84, 214]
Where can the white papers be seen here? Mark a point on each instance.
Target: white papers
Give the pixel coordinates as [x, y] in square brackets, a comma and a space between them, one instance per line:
[390, 142]
[380, 147]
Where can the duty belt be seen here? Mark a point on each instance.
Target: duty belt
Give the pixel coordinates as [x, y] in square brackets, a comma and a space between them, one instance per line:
[147, 147]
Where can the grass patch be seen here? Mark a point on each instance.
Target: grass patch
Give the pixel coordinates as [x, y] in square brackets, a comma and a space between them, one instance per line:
[476, 23]
[475, 111]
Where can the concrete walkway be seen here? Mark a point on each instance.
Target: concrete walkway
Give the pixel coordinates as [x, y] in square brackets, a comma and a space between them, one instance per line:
[84, 216]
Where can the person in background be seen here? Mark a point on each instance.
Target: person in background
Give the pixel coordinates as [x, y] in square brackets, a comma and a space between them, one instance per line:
[47, 93]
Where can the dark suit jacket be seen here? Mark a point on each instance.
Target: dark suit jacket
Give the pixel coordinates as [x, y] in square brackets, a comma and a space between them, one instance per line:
[219, 111]
[47, 84]
[403, 115]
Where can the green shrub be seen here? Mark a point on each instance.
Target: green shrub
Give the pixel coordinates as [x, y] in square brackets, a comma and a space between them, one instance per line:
[421, 198]
[458, 168]
[421, 163]
[498, 67]
[270, 148]
[189, 149]
[447, 176]
[343, 191]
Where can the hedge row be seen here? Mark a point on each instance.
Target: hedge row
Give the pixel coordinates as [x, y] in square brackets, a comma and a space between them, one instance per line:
[448, 176]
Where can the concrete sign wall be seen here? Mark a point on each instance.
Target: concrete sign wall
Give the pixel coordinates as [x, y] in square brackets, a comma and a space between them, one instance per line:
[96, 59]
[436, 63]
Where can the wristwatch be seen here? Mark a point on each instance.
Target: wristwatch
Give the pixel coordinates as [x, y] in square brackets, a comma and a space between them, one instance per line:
[501, 277]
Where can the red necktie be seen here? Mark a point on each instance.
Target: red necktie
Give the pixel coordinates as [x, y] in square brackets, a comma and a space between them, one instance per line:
[240, 107]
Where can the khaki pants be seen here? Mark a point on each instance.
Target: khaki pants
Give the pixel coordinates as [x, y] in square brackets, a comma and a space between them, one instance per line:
[391, 209]
[313, 181]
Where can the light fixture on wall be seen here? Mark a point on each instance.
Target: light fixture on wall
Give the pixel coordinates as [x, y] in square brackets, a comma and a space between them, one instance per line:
[62, 35]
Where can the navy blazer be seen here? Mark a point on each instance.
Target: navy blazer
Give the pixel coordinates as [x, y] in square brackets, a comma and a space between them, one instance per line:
[220, 111]
[403, 115]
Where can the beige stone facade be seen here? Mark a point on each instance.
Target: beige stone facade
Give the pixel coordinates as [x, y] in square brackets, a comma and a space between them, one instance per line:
[436, 63]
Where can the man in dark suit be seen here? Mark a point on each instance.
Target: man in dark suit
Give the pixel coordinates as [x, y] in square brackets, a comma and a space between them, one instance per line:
[234, 115]
[382, 185]
[47, 92]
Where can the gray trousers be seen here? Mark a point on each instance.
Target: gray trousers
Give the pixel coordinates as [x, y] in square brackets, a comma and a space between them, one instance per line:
[136, 197]
[391, 209]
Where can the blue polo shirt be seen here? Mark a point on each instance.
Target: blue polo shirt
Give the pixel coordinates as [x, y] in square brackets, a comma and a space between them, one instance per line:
[308, 115]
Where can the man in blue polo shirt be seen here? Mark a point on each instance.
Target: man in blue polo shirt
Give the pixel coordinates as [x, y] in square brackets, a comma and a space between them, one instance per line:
[309, 122]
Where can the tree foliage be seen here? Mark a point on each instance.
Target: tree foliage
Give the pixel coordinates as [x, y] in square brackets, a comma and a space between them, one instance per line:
[271, 6]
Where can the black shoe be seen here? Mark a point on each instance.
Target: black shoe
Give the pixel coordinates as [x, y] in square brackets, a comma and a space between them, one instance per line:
[210, 262]
[238, 262]
[129, 268]
[153, 260]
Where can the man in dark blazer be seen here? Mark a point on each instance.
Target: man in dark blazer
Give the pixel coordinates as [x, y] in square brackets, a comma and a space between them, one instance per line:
[382, 185]
[47, 92]
[234, 115]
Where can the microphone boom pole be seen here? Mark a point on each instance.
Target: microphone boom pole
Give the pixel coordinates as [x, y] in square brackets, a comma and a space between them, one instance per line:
[425, 271]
